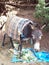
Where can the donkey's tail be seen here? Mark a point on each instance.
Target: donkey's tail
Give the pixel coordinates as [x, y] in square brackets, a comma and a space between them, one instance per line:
[2, 25]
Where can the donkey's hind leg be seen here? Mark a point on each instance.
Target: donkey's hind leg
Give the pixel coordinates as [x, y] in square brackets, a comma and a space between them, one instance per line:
[3, 39]
[11, 42]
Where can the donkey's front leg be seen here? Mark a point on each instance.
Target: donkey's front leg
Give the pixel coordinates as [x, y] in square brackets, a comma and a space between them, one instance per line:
[20, 46]
[20, 49]
[3, 39]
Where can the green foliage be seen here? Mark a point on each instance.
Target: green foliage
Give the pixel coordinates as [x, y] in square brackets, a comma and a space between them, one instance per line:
[42, 13]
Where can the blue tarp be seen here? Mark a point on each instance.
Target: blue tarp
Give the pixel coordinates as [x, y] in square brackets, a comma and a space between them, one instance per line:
[42, 56]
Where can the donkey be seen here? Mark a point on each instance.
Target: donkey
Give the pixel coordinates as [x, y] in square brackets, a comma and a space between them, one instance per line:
[22, 29]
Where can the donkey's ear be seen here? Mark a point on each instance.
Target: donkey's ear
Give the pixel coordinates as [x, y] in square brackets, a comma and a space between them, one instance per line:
[43, 27]
[33, 23]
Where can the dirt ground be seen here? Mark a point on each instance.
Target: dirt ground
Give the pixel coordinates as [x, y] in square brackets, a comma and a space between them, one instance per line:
[4, 59]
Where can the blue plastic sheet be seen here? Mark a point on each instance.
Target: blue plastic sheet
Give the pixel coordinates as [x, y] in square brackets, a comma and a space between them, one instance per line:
[43, 56]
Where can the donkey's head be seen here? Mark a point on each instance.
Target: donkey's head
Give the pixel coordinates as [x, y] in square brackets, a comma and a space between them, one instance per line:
[36, 36]
[36, 32]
